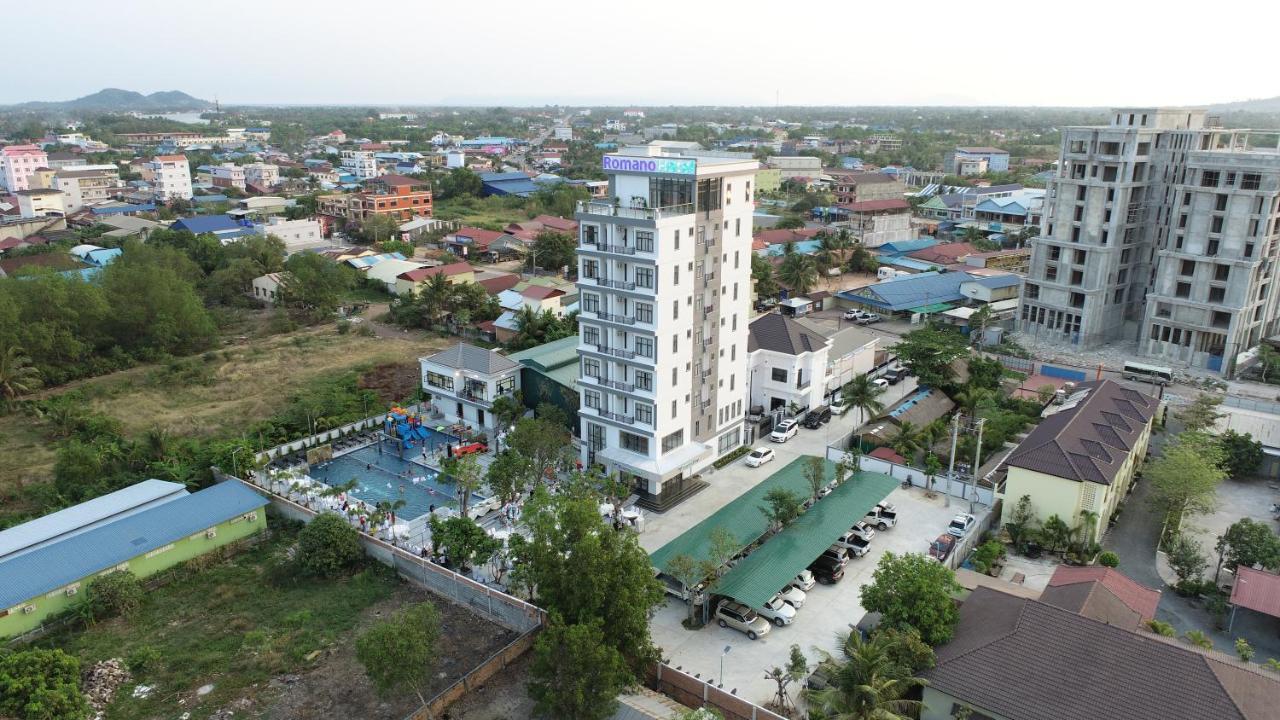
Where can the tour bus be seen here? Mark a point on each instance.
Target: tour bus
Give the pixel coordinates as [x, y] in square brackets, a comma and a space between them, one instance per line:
[1148, 373]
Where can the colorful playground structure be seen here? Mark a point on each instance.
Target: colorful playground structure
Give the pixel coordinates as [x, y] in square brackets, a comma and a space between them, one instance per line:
[405, 426]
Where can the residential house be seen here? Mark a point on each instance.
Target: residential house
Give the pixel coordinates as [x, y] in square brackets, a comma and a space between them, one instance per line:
[855, 187]
[963, 160]
[263, 175]
[170, 177]
[1079, 462]
[267, 287]
[227, 175]
[63, 160]
[470, 242]
[1016, 260]
[28, 264]
[1016, 658]
[360, 163]
[918, 409]
[82, 188]
[1102, 593]
[788, 364]
[876, 222]
[396, 196]
[386, 268]
[463, 382]
[991, 289]
[410, 281]
[17, 163]
[296, 234]
[851, 352]
[959, 204]
[944, 254]
[49, 562]
[223, 227]
[922, 293]
[803, 168]
[39, 203]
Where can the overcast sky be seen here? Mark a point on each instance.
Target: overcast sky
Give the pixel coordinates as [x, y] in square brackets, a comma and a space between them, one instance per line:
[652, 52]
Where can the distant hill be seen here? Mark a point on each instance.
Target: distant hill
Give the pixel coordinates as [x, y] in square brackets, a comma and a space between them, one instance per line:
[117, 100]
[1260, 105]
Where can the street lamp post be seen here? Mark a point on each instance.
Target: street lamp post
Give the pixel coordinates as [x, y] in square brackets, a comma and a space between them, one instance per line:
[727, 648]
[234, 467]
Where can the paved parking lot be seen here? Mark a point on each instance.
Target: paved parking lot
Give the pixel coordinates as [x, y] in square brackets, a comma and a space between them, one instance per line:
[736, 478]
[827, 612]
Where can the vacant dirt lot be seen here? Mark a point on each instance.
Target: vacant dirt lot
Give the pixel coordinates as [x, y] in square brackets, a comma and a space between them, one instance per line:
[338, 688]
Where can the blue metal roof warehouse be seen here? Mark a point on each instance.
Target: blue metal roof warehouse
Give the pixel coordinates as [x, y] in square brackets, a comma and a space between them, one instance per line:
[44, 569]
[512, 183]
[910, 291]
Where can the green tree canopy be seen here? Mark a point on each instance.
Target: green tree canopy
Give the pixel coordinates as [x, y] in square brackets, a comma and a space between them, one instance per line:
[576, 672]
[314, 286]
[1184, 478]
[328, 547]
[554, 250]
[41, 685]
[929, 352]
[400, 652]
[1241, 454]
[913, 591]
[1248, 542]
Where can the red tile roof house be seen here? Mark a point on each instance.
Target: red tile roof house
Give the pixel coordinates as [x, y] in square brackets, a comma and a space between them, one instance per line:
[410, 280]
[1102, 593]
[945, 254]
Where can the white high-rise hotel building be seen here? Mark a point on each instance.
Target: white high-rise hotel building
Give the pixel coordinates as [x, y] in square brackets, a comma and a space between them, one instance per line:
[665, 298]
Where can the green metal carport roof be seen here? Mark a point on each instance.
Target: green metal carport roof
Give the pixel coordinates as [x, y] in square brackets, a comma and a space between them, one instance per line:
[782, 557]
[742, 516]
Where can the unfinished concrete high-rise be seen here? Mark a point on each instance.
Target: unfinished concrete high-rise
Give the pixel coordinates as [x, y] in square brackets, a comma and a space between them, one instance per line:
[1159, 228]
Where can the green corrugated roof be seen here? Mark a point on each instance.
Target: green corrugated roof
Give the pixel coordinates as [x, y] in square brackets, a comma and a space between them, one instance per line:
[742, 517]
[935, 307]
[557, 360]
[774, 564]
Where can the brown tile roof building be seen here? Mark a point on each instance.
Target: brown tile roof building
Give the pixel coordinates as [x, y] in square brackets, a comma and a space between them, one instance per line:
[1023, 659]
[1090, 439]
[1101, 593]
[945, 253]
[781, 334]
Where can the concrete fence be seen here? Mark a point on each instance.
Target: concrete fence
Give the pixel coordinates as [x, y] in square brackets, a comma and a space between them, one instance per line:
[956, 488]
[475, 679]
[696, 693]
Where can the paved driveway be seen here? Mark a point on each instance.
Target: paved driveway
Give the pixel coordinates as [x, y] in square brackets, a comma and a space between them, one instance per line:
[828, 611]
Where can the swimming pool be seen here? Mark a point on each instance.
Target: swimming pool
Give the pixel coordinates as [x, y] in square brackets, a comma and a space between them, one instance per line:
[386, 476]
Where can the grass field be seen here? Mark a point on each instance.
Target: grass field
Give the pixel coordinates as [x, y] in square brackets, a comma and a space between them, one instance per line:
[488, 212]
[217, 393]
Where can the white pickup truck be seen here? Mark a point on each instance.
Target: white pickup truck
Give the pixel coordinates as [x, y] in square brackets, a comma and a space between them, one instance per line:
[884, 516]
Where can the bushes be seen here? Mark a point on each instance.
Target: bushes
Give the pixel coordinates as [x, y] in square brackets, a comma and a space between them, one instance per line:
[734, 455]
[42, 684]
[1109, 559]
[1160, 628]
[986, 555]
[115, 594]
[328, 547]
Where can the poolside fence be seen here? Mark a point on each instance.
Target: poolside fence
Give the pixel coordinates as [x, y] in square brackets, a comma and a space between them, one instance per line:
[320, 438]
[961, 488]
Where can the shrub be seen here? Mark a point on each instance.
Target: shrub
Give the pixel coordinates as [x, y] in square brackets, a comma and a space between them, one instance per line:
[41, 684]
[117, 593]
[1160, 628]
[344, 326]
[1199, 639]
[1109, 559]
[142, 659]
[328, 546]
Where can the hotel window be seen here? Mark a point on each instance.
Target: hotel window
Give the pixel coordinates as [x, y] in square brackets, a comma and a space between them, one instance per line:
[644, 380]
[644, 240]
[778, 375]
[677, 239]
[591, 399]
[590, 335]
[675, 309]
[673, 441]
[590, 303]
[590, 269]
[591, 367]
[644, 413]
[440, 381]
[675, 275]
[644, 312]
[634, 443]
[644, 347]
[644, 277]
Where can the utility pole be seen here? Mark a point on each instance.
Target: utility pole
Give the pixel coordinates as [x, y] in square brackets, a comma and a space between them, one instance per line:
[951, 467]
[977, 463]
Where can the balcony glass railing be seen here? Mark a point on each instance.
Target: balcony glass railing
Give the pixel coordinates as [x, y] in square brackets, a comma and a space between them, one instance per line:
[617, 417]
[634, 213]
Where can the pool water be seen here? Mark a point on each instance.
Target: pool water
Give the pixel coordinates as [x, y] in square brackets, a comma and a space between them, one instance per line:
[386, 476]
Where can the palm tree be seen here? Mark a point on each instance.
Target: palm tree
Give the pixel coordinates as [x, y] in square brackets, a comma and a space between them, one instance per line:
[17, 375]
[867, 685]
[830, 253]
[798, 272]
[862, 394]
[507, 409]
[906, 441]
[971, 397]
[972, 234]
[435, 298]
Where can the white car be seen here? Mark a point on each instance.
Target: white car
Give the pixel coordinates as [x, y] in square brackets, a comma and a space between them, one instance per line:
[759, 456]
[784, 430]
[855, 545]
[794, 596]
[838, 406]
[777, 611]
[804, 581]
[880, 383]
[863, 530]
[852, 314]
[961, 524]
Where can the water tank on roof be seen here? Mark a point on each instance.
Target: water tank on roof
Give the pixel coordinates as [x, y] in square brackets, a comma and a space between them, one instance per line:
[993, 336]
